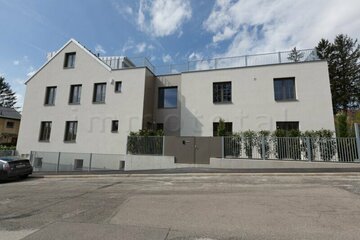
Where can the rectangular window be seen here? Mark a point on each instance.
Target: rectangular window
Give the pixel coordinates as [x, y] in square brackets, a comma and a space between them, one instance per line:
[78, 164]
[50, 96]
[70, 131]
[167, 97]
[99, 93]
[222, 92]
[115, 126]
[118, 86]
[284, 89]
[228, 128]
[45, 131]
[287, 126]
[10, 124]
[69, 61]
[75, 94]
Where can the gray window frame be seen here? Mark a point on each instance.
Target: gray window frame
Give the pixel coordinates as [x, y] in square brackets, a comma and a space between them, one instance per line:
[116, 85]
[45, 131]
[161, 97]
[102, 97]
[284, 91]
[50, 95]
[70, 136]
[219, 92]
[113, 129]
[75, 98]
[69, 60]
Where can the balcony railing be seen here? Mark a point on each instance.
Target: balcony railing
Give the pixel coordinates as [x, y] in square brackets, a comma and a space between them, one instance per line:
[306, 55]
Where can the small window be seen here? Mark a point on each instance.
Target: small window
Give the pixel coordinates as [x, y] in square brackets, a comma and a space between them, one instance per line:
[159, 126]
[78, 164]
[287, 126]
[75, 94]
[99, 93]
[228, 128]
[284, 89]
[118, 86]
[50, 96]
[45, 131]
[70, 131]
[167, 97]
[114, 126]
[222, 92]
[38, 162]
[69, 61]
[10, 124]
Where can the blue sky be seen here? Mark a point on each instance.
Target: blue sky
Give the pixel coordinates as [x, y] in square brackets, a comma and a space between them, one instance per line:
[165, 31]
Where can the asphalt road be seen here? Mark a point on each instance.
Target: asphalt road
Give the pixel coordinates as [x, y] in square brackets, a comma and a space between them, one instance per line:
[182, 206]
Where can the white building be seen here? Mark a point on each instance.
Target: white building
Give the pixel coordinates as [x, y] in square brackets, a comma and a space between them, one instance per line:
[78, 102]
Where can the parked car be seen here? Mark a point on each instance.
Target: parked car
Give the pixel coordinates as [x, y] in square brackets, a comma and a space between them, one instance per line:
[11, 167]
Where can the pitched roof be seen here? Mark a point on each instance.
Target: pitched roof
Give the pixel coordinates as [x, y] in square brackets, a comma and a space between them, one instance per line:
[66, 44]
[9, 113]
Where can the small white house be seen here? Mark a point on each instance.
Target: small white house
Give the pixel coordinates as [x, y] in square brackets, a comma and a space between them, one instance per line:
[79, 102]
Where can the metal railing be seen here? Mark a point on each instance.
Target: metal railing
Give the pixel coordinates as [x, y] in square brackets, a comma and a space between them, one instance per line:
[66, 161]
[4, 153]
[145, 145]
[292, 148]
[306, 55]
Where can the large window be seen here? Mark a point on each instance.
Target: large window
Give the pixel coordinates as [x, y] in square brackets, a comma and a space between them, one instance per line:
[75, 94]
[284, 89]
[167, 97]
[45, 130]
[70, 131]
[50, 96]
[69, 61]
[99, 93]
[221, 92]
[287, 126]
[228, 128]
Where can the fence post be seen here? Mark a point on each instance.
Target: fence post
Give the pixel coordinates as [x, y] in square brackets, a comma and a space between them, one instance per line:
[263, 147]
[58, 162]
[279, 56]
[163, 146]
[246, 60]
[90, 161]
[308, 148]
[31, 157]
[357, 138]
[222, 148]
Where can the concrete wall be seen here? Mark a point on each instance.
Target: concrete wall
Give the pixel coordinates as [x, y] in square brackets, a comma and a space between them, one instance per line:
[170, 117]
[94, 120]
[253, 105]
[142, 162]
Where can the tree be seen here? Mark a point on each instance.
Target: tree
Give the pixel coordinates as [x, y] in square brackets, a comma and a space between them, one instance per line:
[221, 130]
[7, 96]
[295, 55]
[343, 57]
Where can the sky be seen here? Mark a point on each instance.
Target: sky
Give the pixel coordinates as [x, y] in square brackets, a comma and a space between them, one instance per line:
[164, 31]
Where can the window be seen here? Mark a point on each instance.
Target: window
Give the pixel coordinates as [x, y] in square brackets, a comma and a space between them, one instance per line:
[50, 96]
[228, 128]
[222, 92]
[159, 126]
[78, 164]
[167, 97]
[75, 94]
[287, 125]
[114, 126]
[118, 86]
[10, 124]
[70, 131]
[99, 93]
[45, 130]
[69, 60]
[284, 89]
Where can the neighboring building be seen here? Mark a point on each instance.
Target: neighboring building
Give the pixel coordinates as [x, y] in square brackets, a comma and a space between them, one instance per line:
[9, 126]
[79, 102]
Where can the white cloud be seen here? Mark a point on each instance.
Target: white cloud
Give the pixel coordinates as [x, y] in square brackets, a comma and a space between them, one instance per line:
[163, 17]
[194, 56]
[31, 71]
[16, 62]
[99, 49]
[167, 58]
[264, 26]
[141, 47]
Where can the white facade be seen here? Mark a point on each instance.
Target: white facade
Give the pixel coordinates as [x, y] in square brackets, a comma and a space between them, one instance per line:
[136, 106]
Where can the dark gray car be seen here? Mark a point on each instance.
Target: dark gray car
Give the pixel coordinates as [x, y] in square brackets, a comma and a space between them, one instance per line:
[11, 167]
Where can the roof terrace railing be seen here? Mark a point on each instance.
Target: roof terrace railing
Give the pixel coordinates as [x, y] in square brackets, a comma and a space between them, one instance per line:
[306, 55]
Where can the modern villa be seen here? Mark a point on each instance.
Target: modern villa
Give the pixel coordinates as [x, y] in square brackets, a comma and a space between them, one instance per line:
[79, 102]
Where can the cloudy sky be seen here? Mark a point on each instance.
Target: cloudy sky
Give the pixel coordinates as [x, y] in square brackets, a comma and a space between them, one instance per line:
[165, 31]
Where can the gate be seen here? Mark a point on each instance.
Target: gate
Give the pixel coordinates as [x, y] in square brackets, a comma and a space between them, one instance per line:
[193, 150]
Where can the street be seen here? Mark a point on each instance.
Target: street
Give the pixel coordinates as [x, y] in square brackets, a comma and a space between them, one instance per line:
[182, 206]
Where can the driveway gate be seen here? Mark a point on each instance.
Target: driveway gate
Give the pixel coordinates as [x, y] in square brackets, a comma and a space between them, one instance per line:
[193, 150]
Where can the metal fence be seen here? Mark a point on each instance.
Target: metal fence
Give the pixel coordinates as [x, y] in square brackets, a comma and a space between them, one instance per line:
[4, 153]
[297, 148]
[145, 145]
[65, 161]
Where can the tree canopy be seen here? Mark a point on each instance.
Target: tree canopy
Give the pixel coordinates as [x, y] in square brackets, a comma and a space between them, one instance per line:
[7, 96]
[343, 57]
